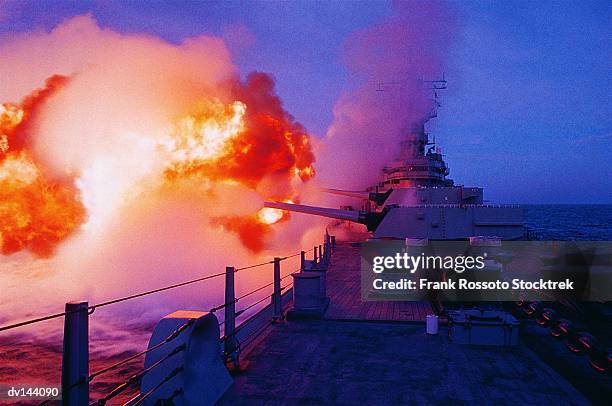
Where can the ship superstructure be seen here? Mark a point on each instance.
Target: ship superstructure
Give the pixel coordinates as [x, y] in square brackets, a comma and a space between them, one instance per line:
[415, 199]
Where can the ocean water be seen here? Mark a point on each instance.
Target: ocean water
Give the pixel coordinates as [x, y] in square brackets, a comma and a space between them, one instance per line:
[564, 222]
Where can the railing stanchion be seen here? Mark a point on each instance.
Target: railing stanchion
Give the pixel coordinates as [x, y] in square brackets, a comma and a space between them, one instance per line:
[302, 261]
[321, 253]
[276, 297]
[315, 256]
[75, 357]
[231, 344]
[326, 246]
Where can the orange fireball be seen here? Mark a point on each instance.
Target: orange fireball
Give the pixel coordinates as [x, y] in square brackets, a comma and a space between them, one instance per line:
[268, 215]
[36, 213]
[246, 139]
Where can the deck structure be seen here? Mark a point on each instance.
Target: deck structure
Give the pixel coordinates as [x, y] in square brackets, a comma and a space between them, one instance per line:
[344, 291]
[377, 353]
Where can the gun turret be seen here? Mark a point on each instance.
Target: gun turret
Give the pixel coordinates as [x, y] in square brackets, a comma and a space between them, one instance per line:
[349, 193]
[378, 198]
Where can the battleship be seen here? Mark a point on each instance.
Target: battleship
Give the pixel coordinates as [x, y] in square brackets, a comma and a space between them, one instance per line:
[171, 309]
[416, 200]
[312, 339]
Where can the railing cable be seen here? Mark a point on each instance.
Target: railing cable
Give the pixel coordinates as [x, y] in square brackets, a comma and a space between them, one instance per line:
[171, 337]
[272, 261]
[32, 321]
[256, 333]
[139, 399]
[92, 308]
[156, 387]
[254, 266]
[240, 312]
[138, 376]
[289, 274]
[294, 255]
[254, 291]
[123, 299]
[214, 309]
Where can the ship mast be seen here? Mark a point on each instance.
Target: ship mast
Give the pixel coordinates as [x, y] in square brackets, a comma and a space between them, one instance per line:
[414, 165]
[413, 145]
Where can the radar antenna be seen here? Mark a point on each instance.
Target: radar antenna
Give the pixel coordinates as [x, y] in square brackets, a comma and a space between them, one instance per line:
[434, 85]
[439, 84]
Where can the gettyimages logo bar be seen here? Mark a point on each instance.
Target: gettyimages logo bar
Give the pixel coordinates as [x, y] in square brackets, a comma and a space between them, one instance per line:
[412, 263]
[490, 271]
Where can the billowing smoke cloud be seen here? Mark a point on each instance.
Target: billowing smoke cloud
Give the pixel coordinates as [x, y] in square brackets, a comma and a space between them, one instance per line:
[172, 156]
[164, 201]
[141, 136]
[388, 63]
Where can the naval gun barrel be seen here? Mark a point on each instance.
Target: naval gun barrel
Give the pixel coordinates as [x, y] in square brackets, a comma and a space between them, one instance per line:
[350, 215]
[371, 220]
[349, 193]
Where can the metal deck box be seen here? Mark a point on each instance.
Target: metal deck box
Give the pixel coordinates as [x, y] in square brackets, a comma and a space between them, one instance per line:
[483, 327]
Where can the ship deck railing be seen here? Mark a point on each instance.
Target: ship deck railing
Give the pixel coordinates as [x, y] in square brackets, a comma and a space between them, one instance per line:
[76, 377]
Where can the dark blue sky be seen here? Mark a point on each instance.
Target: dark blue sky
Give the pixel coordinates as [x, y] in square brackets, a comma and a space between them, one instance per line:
[528, 111]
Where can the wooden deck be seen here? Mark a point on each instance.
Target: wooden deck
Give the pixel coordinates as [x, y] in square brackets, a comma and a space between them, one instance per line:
[344, 291]
[322, 362]
[364, 359]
